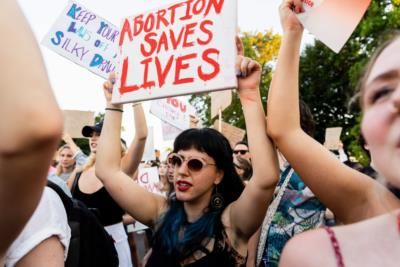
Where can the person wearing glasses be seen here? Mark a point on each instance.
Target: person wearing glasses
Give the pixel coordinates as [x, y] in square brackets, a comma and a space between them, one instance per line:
[242, 150]
[203, 223]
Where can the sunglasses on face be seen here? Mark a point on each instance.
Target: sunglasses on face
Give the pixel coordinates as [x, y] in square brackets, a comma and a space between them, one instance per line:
[192, 163]
[241, 152]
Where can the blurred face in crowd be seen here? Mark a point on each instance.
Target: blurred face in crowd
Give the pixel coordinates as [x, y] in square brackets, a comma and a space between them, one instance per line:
[241, 150]
[93, 140]
[381, 106]
[163, 169]
[66, 158]
[170, 173]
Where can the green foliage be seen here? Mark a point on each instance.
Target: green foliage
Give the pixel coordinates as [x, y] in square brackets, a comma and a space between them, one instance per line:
[328, 81]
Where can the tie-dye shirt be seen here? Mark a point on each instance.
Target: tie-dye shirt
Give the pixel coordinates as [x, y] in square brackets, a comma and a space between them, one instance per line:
[298, 211]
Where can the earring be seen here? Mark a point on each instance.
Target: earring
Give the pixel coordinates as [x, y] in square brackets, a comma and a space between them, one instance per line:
[217, 200]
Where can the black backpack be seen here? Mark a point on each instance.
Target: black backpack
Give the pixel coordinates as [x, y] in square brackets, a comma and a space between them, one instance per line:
[90, 243]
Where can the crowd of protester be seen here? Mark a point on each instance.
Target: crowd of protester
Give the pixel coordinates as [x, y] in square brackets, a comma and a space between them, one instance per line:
[279, 198]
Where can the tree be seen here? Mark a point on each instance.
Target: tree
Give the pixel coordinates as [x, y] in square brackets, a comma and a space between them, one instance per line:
[263, 47]
[328, 80]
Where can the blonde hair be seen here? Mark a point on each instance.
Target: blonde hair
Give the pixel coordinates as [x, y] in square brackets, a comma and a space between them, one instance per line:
[59, 169]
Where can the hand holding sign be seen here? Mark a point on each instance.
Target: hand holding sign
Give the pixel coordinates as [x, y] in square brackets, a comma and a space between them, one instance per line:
[288, 10]
[108, 87]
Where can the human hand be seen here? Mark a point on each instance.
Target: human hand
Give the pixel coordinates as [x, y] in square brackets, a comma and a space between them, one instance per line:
[108, 87]
[287, 11]
[248, 72]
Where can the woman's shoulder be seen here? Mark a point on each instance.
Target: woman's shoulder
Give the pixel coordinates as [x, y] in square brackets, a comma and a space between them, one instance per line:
[368, 235]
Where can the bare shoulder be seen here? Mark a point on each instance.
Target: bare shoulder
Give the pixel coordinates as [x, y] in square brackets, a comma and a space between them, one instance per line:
[301, 250]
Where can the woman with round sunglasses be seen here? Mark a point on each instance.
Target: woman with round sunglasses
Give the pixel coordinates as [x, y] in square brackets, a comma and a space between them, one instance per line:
[211, 217]
[351, 195]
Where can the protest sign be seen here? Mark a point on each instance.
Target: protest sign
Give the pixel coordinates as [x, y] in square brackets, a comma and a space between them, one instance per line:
[219, 101]
[173, 110]
[74, 120]
[169, 132]
[332, 21]
[149, 179]
[232, 133]
[332, 138]
[85, 38]
[184, 48]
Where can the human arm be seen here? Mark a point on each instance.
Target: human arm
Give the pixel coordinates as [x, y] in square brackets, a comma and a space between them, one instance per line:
[29, 136]
[264, 162]
[349, 194]
[132, 158]
[144, 206]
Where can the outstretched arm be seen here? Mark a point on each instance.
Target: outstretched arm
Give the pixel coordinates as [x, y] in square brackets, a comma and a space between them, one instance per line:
[349, 194]
[258, 192]
[131, 160]
[144, 206]
[31, 124]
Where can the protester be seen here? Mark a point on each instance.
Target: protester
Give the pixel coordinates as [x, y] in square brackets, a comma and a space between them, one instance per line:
[204, 224]
[28, 135]
[351, 195]
[86, 187]
[165, 185]
[241, 149]
[294, 210]
[243, 168]
[44, 241]
[66, 162]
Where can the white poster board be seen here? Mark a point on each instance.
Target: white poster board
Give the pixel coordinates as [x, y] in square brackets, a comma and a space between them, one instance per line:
[332, 21]
[169, 132]
[332, 137]
[173, 110]
[149, 179]
[220, 100]
[84, 38]
[179, 49]
[75, 120]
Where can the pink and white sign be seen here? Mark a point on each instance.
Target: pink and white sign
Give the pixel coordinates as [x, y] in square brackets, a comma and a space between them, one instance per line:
[332, 21]
[173, 110]
[183, 48]
[149, 179]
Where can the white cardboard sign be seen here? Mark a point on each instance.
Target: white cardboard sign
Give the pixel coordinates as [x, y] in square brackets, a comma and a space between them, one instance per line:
[183, 48]
[332, 21]
[75, 120]
[173, 110]
[85, 38]
[220, 100]
[332, 137]
[149, 179]
[169, 132]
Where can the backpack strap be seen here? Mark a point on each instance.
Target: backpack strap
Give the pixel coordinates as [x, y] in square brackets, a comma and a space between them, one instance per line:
[75, 183]
[66, 200]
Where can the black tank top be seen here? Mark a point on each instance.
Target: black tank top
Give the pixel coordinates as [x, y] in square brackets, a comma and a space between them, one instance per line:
[222, 255]
[100, 202]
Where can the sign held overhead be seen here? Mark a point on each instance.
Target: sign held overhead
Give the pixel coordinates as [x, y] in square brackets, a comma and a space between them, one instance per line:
[180, 49]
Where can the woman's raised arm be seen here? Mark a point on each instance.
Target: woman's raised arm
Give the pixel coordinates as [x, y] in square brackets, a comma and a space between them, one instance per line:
[351, 195]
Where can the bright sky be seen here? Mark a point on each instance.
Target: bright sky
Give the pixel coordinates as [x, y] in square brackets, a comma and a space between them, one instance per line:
[79, 89]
